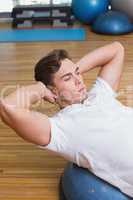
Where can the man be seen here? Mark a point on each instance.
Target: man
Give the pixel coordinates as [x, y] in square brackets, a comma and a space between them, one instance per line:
[92, 129]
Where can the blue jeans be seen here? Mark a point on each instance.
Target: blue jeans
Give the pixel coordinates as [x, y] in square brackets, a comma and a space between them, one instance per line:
[79, 184]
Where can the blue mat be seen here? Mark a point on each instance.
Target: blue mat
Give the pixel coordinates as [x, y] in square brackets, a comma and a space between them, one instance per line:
[38, 35]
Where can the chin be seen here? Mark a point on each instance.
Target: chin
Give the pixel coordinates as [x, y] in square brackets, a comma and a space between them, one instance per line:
[84, 98]
[84, 95]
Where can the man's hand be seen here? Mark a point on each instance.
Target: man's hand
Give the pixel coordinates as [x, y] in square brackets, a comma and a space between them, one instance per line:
[48, 94]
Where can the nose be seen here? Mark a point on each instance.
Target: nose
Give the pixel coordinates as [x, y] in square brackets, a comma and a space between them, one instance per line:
[77, 79]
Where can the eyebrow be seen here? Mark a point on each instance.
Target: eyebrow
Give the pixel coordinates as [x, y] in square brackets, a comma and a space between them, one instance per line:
[68, 74]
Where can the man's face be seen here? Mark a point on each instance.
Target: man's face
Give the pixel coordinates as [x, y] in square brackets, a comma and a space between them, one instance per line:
[69, 83]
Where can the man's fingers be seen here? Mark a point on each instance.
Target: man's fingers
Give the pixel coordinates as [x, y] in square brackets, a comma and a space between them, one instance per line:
[51, 98]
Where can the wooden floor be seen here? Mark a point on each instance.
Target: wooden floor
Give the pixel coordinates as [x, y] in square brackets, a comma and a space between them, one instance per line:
[27, 172]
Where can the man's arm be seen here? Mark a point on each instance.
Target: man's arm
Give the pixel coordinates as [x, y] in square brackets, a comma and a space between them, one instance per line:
[110, 58]
[15, 112]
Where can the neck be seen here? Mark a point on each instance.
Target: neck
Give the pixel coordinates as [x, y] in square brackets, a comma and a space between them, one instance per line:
[64, 103]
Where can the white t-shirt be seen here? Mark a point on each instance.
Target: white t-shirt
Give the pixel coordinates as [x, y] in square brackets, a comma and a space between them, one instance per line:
[97, 135]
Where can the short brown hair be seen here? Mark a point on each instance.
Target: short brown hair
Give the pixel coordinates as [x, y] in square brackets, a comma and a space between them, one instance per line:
[50, 64]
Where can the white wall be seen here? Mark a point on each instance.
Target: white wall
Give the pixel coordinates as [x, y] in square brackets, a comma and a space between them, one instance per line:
[6, 6]
[28, 2]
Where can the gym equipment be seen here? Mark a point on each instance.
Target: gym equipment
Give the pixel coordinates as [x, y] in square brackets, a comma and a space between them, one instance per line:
[32, 35]
[78, 183]
[26, 24]
[123, 5]
[42, 14]
[87, 10]
[112, 23]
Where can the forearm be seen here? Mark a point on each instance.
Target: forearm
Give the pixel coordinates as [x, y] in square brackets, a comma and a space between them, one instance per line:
[99, 57]
[25, 96]
[32, 126]
[22, 99]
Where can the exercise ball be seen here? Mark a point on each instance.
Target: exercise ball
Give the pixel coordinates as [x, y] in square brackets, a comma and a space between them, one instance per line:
[87, 10]
[78, 183]
[112, 23]
[123, 5]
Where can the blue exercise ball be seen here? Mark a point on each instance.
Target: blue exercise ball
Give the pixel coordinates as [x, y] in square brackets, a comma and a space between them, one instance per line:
[87, 10]
[78, 183]
[112, 23]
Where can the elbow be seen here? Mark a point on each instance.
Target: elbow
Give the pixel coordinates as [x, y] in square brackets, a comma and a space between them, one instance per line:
[3, 114]
[120, 47]
[1, 110]
[120, 52]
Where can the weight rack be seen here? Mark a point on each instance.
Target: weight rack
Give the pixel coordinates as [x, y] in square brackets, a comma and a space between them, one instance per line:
[42, 14]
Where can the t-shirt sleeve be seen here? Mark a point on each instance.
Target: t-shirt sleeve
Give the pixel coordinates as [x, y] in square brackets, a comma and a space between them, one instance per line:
[102, 88]
[56, 136]
[60, 139]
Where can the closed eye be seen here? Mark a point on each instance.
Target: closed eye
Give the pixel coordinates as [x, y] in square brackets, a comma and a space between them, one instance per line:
[78, 73]
[67, 78]
[69, 75]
